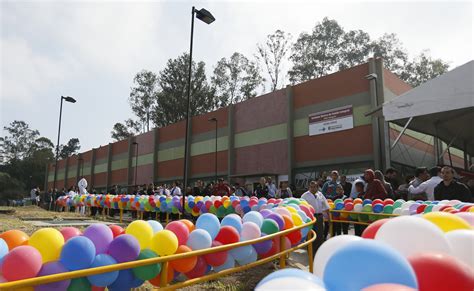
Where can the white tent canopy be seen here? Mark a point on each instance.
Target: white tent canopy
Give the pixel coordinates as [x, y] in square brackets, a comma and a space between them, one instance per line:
[442, 107]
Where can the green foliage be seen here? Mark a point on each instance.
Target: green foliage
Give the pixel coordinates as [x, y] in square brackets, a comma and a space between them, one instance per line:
[272, 53]
[172, 98]
[72, 147]
[10, 188]
[144, 96]
[235, 79]
[123, 131]
[19, 141]
[391, 49]
[423, 68]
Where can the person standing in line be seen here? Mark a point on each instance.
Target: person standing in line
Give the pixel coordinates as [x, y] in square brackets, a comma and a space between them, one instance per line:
[358, 228]
[320, 205]
[421, 175]
[175, 190]
[221, 188]
[347, 186]
[450, 189]
[329, 188]
[284, 191]
[391, 177]
[271, 188]
[388, 187]
[428, 186]
[339, 227]
[262, 189]
[375, 188]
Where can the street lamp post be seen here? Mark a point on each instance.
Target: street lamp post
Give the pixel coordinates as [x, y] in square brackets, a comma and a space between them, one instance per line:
[136, 162]
[206, 17]
[71, 100]
[81, 164]
[215, 152]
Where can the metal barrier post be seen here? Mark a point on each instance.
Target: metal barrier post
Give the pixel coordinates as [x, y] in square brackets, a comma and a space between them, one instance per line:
[283, 256]
[331, 226]
[167, 217]
[121, 215]
[156, 216]
[164, 274]
[310, 252]
[103, 214]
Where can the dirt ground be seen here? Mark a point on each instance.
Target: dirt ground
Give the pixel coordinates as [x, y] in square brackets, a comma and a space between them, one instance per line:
[12, 218]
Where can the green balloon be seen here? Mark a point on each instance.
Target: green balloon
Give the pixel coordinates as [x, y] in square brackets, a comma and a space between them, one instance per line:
[354, 216]
[212, 209]
[388, 209]
[221, 211]
[229, 210]
[397, 204]
[269, 226]
[79, 284]
[150, 271]
[428, 209]
[338, 200]
[367, 208]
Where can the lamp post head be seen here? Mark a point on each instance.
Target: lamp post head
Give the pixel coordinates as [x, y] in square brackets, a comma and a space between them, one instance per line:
[371, 76]
[212, 119]
[135, 143]
[205, 16]
[69, 99]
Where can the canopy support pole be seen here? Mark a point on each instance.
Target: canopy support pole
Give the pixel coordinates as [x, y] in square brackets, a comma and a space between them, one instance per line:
[401, 133]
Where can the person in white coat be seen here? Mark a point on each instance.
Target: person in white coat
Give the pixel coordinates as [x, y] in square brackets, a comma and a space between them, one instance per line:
[427, 186]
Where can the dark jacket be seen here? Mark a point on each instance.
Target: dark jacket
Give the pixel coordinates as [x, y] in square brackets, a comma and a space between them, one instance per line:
[454, 191]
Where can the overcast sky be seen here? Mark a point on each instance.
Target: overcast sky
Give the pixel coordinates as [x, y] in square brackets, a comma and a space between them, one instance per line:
[91, 50]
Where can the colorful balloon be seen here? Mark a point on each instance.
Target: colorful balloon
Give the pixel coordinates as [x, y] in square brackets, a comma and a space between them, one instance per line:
[15, 238]
[147, 272]
[49, 269]
[100, 235]
[22, 262]
[78, 253]
[70, 232]
[209, 223]
[447, 221]
[164, 243]
[184, 265]
[142, 231]
[124, 248]
[105, 279]
[180, 230]
[462, 245]
[228, 235]
[217, 258]
[49, 242]
[116, 230]
[199, 239]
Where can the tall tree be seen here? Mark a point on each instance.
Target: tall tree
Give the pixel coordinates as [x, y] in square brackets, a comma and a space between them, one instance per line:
[172, 98]
[70, 148]
[318, 53]
[423, 68]
[272, 53]
[391, 49]
[124, 130]
[355, 49]
[143, 96]
[19, 140]
[235, 79]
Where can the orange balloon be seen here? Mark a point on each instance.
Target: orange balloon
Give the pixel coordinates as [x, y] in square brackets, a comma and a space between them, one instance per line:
[156, 281]
[184, 265]
[288, 222]
[189, 224]
[15, 238]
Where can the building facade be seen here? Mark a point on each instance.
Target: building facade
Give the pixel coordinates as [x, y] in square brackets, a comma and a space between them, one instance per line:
[265, 136]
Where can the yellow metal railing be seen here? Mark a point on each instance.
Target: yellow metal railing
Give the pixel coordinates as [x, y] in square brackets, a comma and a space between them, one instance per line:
[165, 260]
[332, 220]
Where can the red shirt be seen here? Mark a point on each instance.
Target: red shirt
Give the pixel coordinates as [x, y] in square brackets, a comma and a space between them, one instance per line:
[221, 190]
[375, 190]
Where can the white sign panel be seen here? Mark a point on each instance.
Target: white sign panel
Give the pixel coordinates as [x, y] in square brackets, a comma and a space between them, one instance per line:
[332, 120]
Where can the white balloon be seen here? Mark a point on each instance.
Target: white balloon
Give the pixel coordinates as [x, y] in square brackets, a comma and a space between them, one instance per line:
[405, 211]
[397, 211]
[462, 245]
[411, 235]
[407, 205]
[437, 207]
[327, 249]
[358, 207]
[467, 216]
[290, 283]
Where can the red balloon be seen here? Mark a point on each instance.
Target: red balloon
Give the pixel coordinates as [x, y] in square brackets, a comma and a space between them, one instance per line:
[377, 201]
[421, 208]
[216, 259]
[276, 247]
[170, 275]
[294, 237]
[388, 287]
[70, 232]
[96, 288]
[198, 270]
[22, 262]
[441, 272]
[116, 230]
[388, 201]
[227, 235]
[372, 229]
[349, 206]
[180, 230]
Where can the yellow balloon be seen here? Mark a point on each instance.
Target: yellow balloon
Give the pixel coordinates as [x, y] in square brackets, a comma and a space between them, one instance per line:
[49, 242]
[142, 231]
[164, 243]
[447, 221]
[292, 210]
[471, 209]
[296, 219]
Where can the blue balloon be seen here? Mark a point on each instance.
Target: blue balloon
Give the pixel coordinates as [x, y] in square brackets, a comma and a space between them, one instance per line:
[371, 262]
[367, 201]
[253, 216]
[125, 281]
[264, 246]
[233, 220]
[250, 259]
[102, 280]
[210, 223]
[293, 273]
[199, 239]
[155, 225]
[241, 253]
[229, 263]
[3, 248]
[78, 253]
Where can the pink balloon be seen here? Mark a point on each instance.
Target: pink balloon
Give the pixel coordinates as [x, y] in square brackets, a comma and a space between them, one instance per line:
[282, 211]
[180, 230]
[388, 287]
[70, 232]
[249, 231]
[467, 216]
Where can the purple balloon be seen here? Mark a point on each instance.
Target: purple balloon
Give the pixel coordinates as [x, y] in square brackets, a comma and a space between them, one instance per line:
[278, 219]
[124, 248]
[413, 208]
[49, 269]
[264, 246]
[265, 212]
[101, 235]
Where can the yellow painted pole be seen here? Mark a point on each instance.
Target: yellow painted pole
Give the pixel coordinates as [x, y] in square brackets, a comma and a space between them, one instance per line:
[121, 215]
[283, 255]
[141, 215]
[167, 217]
[164, 274]
[310, 252]
[157, 214]
[331, 226]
